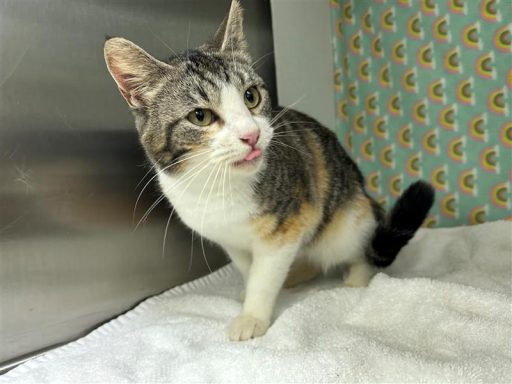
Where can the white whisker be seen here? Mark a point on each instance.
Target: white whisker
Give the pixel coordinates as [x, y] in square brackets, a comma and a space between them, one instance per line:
[153, 206]
[159, 172]
[292, 147]
[143, 177]
[165, 233]
[294, 122]
[160, 40]
[188, 35]
[191, 250]
[223, 191]
[261, 58]
[150, 209]
[230, 189]
[200, 232]
[285, 109]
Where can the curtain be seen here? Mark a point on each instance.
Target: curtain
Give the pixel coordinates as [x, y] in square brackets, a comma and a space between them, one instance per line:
[422, 91]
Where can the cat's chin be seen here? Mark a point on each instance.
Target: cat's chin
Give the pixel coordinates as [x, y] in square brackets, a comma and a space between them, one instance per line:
[250, 163]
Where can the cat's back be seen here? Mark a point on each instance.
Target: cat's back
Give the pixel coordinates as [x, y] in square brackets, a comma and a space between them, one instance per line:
[303, 152]
[308, 176]
[302, 131]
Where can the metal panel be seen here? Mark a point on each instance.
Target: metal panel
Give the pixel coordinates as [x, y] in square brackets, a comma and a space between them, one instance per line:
[304, 58]
[70, 165]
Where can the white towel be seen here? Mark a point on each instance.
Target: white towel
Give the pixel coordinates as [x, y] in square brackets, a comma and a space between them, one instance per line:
[441, 313]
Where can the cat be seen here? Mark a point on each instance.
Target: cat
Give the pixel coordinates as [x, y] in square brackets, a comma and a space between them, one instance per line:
[274, 188]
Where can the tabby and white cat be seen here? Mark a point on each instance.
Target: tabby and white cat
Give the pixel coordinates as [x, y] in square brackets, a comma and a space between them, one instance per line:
[273, 188]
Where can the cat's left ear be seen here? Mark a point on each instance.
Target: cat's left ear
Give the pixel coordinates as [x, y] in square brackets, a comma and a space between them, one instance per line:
[134, 70]
[230, 35]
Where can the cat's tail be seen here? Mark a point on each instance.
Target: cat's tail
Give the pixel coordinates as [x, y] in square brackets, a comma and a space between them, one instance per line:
[396, 229]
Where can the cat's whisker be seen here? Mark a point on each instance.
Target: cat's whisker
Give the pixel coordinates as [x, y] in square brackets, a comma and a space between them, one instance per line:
[165, 232]
[202, 219]
[223, 155]
[292, 147]
[204, 253]
[163, 170]
[253, 65]
[144, 217]
[153, 206]
[191, 250]
[230, 189]
[290, 129]
[205, 164]
[290, 133]
[285, 109]
[210, 192]
[285, 135]
[226, 159]
[223, 192]
[150, 209]
[191, 178]
[145, 175]
[188, 36]
[286, 123]
[206, 210]
[160, 40]
[156, 175]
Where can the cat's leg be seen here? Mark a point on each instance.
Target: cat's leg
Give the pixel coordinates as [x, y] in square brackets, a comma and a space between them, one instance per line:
[360, 273]
[268, 271]
[301, 271]
[242, 261]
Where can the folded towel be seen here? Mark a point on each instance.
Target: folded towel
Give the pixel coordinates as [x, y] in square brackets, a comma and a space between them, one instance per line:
[441, 313]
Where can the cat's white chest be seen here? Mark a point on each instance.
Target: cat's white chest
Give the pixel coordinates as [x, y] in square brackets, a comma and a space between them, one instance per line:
[217, 212]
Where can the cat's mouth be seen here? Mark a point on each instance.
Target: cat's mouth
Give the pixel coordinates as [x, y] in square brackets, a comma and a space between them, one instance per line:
[251, 158]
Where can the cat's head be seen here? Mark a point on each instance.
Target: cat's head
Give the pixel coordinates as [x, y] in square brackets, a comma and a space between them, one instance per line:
[207, 104]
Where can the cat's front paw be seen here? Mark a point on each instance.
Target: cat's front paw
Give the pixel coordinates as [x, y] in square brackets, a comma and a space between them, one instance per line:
[245, 327]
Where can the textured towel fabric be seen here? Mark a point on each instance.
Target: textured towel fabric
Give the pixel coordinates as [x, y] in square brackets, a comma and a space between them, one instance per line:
[441, 313]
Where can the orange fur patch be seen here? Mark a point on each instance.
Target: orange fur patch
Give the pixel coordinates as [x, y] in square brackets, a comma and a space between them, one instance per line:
[292, 230]
[362, 207]
[299, 226]
[321, 175]
[301, 271]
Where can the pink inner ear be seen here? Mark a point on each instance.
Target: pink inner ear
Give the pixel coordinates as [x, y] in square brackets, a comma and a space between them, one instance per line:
[126, 83]
[122, 78]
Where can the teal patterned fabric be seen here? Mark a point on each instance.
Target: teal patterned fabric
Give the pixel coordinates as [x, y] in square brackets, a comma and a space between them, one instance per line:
[422, 91]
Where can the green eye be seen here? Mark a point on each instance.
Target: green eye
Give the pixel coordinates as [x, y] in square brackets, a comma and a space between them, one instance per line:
[252, 97]
[201, 117]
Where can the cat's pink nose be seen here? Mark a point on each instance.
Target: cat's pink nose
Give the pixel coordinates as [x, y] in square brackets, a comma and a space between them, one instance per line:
[250, 138]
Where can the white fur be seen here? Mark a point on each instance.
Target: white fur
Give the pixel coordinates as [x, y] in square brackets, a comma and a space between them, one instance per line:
[216, 200]
[213, 198]
[345, 245]
[220, 217]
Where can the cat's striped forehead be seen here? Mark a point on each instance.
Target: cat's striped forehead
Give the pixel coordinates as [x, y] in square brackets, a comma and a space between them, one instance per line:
[201, 76]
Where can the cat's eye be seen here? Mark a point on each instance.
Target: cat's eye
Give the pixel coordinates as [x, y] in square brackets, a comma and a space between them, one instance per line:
[252, 97]
[201, 117]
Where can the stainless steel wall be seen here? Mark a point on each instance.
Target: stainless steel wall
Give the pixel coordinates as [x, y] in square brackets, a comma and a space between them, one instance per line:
[70, 164]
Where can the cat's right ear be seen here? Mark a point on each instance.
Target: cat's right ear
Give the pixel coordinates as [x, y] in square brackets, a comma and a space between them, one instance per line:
[230, 35]
[133, 69]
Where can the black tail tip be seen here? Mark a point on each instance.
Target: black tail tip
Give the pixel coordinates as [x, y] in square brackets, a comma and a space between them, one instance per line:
[420, 191]
[412, 206]
[406, 216]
